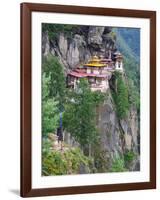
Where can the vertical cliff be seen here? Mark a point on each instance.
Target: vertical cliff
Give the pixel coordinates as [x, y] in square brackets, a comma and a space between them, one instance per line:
[78, 48]
[117, 136]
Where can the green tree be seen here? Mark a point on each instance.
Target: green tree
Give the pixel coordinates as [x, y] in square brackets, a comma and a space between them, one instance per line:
[50, 110]
[132, 71]
[129, 156]
[118, 165]
[120, 96]
[134, 96]
[55, 29]
[67, 162]
[79, 116]
[57, 85]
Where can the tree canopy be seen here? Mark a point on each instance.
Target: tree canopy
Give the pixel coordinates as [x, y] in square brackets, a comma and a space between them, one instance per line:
[50, 110]
[79, 114]
[120, 96]
[57, 85]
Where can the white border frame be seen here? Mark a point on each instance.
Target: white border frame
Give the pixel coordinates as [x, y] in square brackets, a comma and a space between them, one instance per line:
[39, 181]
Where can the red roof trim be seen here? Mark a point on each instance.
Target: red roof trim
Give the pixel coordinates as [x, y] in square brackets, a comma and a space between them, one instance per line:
[81, 75]
[76, 74]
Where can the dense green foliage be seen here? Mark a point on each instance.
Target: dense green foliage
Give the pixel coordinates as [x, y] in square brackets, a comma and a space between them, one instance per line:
[79, 116]
[57, 85]
[98, 97]
[134, 96]
[68, 162]
[49, 108]
[132, 71]
[120, 96]
[53, 93]
[55, 29]
[129, 156]
[118, 165]
[121, 164]
[50, 116]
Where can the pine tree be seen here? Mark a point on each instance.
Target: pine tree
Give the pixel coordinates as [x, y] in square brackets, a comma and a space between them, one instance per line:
[121, 96]
[50, 112]
[57, 85]
[79, 115]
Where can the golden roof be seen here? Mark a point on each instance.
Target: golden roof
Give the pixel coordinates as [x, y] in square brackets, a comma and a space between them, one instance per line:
[95, 62]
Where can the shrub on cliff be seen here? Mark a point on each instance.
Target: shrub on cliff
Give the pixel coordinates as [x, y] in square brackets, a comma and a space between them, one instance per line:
[120, 96]
[71, 161]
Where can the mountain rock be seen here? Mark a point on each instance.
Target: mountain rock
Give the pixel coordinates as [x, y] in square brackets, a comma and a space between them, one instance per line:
[117, 136]
[63, 45]
[45, 44]
[80, 47]
[95, 36]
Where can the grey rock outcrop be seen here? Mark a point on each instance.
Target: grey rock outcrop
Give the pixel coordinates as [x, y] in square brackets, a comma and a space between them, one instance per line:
[78, 49]
[73, 54]
[45, 44]
[95, 36]
[63, 45]
[117, 136]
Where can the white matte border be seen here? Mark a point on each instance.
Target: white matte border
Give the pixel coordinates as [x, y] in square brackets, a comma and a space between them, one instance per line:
[39, 181]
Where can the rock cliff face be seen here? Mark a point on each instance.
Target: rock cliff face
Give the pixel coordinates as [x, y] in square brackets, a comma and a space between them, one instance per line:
[79, 48]
[116, 136]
